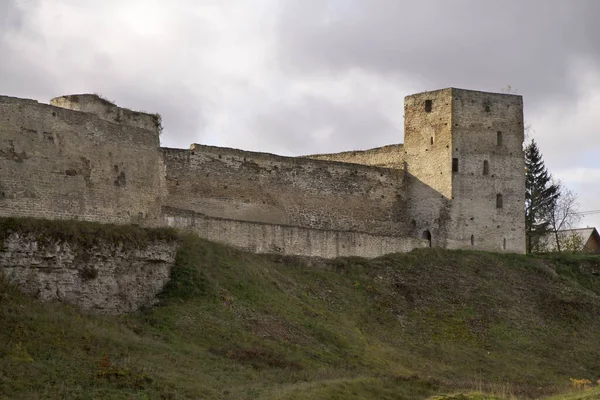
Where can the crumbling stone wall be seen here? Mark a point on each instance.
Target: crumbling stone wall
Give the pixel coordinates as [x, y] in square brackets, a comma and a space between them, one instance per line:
[258, 187]
[108, 111]
[58, 163]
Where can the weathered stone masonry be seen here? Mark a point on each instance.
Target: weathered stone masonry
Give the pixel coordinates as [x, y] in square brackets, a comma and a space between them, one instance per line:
[61, 164]
[456, 182]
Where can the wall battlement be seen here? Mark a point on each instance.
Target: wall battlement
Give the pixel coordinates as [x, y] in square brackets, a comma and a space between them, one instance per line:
[82, 157]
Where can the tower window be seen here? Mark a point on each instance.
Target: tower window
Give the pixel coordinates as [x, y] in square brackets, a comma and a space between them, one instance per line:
[504, 244]
[455, 165]
[428, 105]
[499, 200]
[431, 140]
[486, 167]
[499, 138]
[472, 240]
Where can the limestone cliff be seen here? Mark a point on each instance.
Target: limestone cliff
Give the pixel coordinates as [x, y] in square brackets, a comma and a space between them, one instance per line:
[110, 278]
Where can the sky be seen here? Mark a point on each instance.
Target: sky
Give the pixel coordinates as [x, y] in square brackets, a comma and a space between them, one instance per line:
[297, 77]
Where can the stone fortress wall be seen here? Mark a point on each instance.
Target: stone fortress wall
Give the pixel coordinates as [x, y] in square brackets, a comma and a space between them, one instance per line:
[83, 157]
[57, 163]
[257, 187]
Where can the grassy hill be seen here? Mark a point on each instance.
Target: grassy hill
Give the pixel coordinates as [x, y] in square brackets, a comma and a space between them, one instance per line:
[231, 325]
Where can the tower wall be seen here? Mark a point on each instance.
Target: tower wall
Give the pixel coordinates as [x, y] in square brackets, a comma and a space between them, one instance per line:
[488, 189]
[466, 169]
[428, 155]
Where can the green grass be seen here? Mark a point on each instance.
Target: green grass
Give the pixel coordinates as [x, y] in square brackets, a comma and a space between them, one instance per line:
[83, 233]
[233, 325]
[591, 394]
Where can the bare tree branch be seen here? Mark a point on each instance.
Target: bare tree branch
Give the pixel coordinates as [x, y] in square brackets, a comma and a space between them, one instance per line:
[564, 214]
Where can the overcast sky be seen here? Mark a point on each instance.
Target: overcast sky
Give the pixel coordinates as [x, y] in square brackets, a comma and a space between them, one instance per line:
[308, 76]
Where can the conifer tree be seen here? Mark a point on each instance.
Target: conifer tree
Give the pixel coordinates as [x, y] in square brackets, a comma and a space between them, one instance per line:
[541, 195]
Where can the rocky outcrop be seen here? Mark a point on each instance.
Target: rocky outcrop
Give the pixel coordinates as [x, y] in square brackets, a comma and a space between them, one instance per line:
[108, 278]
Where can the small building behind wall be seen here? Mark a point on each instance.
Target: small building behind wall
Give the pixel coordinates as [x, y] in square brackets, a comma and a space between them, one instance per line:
[583, 240]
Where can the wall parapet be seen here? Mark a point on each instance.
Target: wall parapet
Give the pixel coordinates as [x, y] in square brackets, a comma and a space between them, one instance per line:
[390, 156]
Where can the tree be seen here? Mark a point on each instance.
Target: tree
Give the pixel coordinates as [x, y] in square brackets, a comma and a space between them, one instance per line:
[572, 242]
[541, 196]
[563, 214]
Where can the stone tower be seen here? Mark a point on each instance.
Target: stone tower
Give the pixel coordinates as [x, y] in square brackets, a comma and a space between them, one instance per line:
[463, 153]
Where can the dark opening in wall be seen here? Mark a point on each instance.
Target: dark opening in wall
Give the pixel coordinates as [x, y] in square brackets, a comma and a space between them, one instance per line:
[499, 200]
[428, 105]
[504, 244]
[455, 165]
[472, 240]
[427, 236]
[486, 167]
[413, 223]
[499, 138]
[431, 140]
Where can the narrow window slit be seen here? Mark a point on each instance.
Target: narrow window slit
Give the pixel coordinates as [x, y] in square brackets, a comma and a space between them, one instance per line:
[428, 106]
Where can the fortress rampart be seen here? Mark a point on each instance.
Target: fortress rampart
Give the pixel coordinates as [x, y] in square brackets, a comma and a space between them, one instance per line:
[258, 187]
[58, 163]
[82, 157]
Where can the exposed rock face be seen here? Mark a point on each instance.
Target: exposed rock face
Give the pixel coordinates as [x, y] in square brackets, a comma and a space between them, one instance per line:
[109, 278]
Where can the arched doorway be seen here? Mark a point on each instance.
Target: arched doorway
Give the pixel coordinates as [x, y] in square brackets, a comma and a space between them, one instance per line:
[427, 236]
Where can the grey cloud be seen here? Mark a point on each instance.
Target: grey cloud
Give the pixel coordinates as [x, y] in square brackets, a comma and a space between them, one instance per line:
[288, 128]
[18, 75]
[178, 106]
[33, 67]
[10, 15]
[465, 43]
